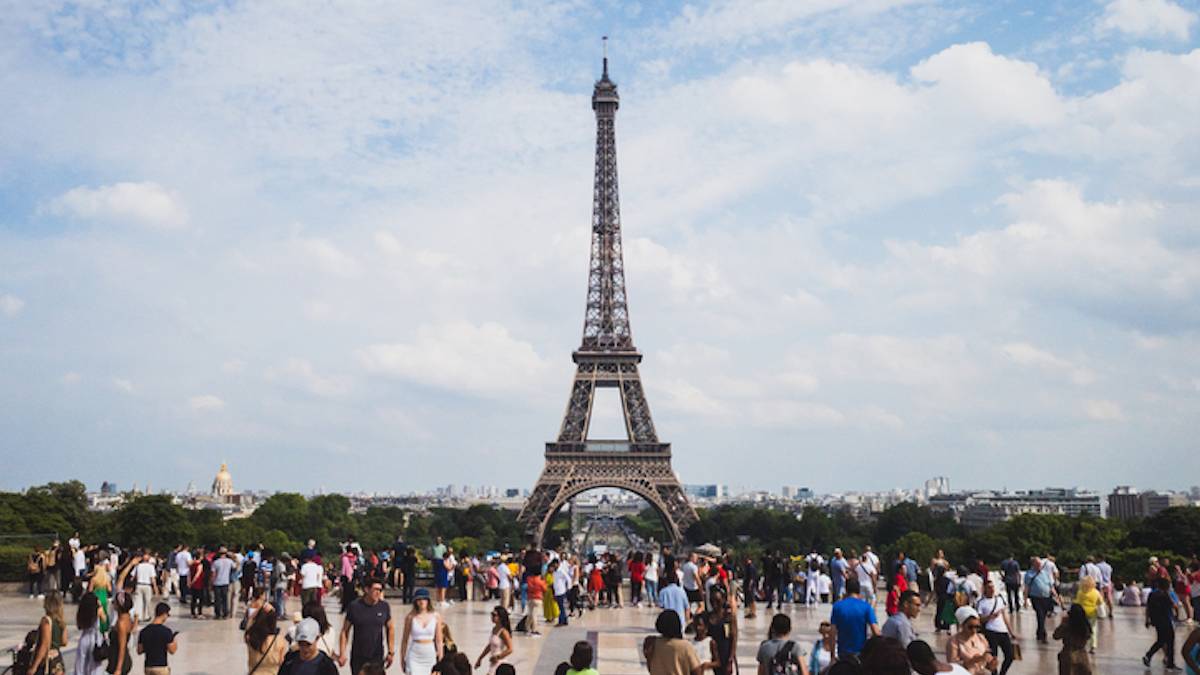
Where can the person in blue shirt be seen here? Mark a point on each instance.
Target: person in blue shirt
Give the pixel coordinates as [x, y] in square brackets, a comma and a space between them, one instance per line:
[838, 568]
[1039, 588]
[852, 618]
[674, 598]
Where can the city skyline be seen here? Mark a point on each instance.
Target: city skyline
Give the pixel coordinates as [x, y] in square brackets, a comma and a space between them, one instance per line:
[865, 244]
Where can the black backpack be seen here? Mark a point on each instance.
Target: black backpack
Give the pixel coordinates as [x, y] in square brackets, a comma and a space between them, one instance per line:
[782, 663]
[23, 658]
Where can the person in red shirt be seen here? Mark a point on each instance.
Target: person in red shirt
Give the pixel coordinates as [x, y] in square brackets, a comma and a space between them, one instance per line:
[637, 577]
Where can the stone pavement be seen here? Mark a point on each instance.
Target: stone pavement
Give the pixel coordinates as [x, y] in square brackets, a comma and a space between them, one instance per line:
[209, 647]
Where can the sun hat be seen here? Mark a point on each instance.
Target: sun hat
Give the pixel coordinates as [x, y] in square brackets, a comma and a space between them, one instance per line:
[421, 594]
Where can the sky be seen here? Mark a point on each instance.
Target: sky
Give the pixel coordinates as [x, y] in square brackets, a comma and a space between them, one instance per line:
[345, 247]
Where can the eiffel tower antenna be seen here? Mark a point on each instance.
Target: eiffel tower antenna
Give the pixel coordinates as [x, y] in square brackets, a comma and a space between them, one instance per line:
[606, 357]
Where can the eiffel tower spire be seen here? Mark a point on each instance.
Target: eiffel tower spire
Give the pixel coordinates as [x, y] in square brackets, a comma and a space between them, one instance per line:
[606, 319]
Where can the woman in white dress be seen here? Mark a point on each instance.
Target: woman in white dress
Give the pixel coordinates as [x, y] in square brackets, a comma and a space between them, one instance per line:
[422, 645]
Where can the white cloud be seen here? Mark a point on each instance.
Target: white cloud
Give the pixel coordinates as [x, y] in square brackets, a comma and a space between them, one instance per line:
[302, 373]
[1026, 354]
[785, 413]
[327, 257]
[70, 379]
[11, 305]
[206, 402]
[233, 367]
[122, 385]
[1148, 19]
[460, 356]
[976, 82]
[147, 204]
[1104, 411]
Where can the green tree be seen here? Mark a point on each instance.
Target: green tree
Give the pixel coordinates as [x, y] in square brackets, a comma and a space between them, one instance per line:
[286, 512]
[1176, 528]
[153, 522]
[916, 545]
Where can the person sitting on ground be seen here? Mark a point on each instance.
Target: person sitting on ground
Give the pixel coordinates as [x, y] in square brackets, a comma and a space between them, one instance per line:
[922, 660]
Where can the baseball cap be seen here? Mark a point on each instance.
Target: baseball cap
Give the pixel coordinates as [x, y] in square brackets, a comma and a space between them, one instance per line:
[308, 631]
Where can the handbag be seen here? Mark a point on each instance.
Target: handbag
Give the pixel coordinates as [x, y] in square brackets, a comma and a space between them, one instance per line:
[1016, 646]
[1102, 611]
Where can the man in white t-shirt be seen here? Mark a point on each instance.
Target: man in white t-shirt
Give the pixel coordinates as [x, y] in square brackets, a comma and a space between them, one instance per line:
[561, 570]
[312, 580]
[867, 579]
[183, 562]
[691, 580]
[993, 614]
[147, 587]
[870, 556]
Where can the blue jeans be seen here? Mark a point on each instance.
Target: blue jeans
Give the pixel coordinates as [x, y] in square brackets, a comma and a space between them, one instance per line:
[652, 592]
[221, 601]
[562, 609]
[277, 601]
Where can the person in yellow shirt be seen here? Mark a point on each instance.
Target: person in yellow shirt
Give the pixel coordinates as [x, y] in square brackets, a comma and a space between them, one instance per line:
[1089, 598]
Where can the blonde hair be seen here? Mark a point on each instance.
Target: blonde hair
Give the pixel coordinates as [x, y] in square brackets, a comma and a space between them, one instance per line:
[53, 604]
[1087, 584]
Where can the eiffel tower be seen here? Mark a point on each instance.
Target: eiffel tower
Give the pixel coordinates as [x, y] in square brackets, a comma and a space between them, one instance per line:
[640, 463]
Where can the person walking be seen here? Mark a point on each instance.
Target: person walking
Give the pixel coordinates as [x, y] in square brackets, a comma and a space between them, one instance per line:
[146, 579]
[968, 648]
[370, 619]
[852, 620]
[637, 578]
[265, 647]
[51, 638]
[422, 644]
[778, 654]
[500, 644]
[1010, 572]
[993, 612]
[824, 649]
[1090, 599]
[1160, 613]
[1075, 632]
[156, 642]
[535, 590]
[35, 568]
[307, 658]
[1039, 587]
[674, 598]
[839, 570]
[668, 653]
[899, 625]
[723, 627]
[1191, 652]
[651, 577]
[87, 619]
[100, 584]
[312, 581]
[119, 662]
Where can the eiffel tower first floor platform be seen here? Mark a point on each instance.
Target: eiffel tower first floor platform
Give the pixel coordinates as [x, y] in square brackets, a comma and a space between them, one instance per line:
[641, 468]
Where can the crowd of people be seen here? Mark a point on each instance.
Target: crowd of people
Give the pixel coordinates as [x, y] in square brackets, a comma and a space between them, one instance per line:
[702, 594]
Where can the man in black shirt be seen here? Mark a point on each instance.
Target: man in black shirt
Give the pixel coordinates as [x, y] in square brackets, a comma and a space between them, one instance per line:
[156, 641]
[369, 617]
[1160, 613]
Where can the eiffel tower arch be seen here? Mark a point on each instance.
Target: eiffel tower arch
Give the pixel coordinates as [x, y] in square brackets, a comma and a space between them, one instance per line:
[607, 358]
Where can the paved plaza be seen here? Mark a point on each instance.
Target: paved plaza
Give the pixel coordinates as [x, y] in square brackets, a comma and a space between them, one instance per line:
[209, 647]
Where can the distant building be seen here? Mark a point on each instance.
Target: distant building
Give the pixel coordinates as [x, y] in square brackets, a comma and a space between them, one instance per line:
[982, 509]
[706, 491]
[108, 489]
[222, 486]
[1127, 503]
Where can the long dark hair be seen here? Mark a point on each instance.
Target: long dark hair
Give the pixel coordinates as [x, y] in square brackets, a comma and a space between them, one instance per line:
[88, 612]
[263, 626]
[503, 614]
[316, 612]
[1077, 623]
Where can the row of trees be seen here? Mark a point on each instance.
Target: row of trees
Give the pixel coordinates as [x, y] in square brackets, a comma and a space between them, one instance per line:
[285, 521]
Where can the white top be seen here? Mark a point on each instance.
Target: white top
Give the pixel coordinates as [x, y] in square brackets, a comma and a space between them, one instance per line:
[79, 561]
[312, 575]
[73, 542]
[423, 628]
[993, 605]
[562, 579]
[870, 557]
[143, 573]
[1105, 572]
[824, 583]
[690, 576]
[183, 561]
[866, 573]
[703, 649]
[652, 569]
[505, 576]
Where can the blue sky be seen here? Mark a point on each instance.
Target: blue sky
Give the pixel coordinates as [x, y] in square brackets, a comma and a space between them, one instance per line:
[867, 242]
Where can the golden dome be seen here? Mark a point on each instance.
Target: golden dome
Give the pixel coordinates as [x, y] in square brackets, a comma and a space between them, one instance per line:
[222, 485]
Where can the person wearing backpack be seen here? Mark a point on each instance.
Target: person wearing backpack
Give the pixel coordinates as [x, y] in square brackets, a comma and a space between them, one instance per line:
[777, 655]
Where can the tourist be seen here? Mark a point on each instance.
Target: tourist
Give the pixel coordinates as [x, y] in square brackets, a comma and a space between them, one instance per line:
[183, 566]
[691, 582]
[668, 653]
[582, 658]
[119, 661]
[1131, 595]
[1039, 588]
[1106, 582]
[779, 654]
[1191, 652]
[312, 581]
[920, 656]
[993, 613]
[265, 648]
[1010, 571]
[1160, 613]
[535, 591]
[672, 597]
[614, 579]
[500, 644]
[703, 644]
[1075, 632]
[1090, 599]
[561, 588]
[52, 637]
[868, 578]
[824, 650]
[852, 619]
[348, 563]
[308, 659]
[423, 644]
[884, 656]
[198, 585]
[896, 589]
[87, 619]
[839, 571]
[35, 568]
[651, 578]
[968, 647]
[156, 641]
[723, 627]
[315, 611]
[770, 582]
[370, 619]
[504, 582]
[749, 585]
[100, 583]
[899, 626]
[443, 575]
[222, 576]
[812, 579]
[637, 578]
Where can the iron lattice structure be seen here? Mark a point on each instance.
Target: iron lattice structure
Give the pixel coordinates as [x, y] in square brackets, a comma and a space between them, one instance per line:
[640, 463]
